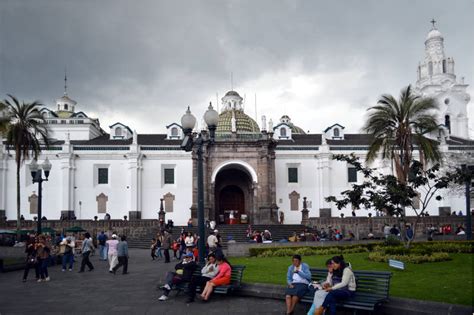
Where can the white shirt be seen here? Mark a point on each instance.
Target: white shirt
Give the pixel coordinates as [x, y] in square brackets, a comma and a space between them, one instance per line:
[212, 240]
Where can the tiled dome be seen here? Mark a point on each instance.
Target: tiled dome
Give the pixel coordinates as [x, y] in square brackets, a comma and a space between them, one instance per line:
[243, 122]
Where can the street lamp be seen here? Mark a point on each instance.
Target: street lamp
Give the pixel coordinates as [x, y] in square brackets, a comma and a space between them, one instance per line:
[188, 121]
[36, 174]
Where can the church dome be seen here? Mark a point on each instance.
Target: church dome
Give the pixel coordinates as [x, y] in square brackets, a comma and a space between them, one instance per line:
[434, 33]
[232, 93]
[285, 119]
[243, 123]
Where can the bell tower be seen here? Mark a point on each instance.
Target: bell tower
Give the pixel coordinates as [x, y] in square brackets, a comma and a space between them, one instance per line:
[436, 78]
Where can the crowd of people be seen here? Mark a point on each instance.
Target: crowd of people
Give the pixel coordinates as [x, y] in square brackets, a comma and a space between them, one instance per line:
[185, 243]
[216, 271]
[44, 250]
[339, 284]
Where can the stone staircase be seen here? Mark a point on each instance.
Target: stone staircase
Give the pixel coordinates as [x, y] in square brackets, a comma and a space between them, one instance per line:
[237, 232]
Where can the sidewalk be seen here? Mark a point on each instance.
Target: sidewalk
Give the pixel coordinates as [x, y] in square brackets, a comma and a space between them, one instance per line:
[99, 292]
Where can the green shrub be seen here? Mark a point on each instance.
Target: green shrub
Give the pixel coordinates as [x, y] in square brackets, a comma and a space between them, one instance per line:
[416, 248]
[412, 258]
[392, 240]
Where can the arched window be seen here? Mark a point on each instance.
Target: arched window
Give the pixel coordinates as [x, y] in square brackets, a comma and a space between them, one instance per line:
[336, 132]
[118, 132]
[174, 132]
[444, 65]
[65, 106]
[447, 122]
[283, 132]
[430, 68]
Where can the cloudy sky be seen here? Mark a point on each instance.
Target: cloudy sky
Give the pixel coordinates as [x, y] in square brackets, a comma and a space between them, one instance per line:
[142, 62]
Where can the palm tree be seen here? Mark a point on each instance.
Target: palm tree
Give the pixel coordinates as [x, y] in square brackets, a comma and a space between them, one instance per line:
[25, 133]
[400, 126]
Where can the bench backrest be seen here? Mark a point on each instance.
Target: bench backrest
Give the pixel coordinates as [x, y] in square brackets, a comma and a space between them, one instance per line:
[373, 284]
[236, 275]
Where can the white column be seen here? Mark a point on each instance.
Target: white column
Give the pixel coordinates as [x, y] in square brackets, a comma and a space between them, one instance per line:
[66, 163]
[135, 182]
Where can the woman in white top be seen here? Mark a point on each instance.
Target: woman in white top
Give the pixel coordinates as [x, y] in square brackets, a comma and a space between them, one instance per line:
[189, 240]
[343, 290]
[321, 292]
[112, 252]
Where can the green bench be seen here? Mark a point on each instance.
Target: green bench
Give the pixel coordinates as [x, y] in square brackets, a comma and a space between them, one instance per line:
[372, 289]
[235, 281]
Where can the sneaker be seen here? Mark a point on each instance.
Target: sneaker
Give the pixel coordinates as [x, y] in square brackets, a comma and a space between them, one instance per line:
[70, 269]
[39, 280]
[167, 287]
[47, 279]
[63, 270]
[163, 298]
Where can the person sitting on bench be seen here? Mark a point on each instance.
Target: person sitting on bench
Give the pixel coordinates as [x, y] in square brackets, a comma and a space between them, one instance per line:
[208, 272]
[222, 278]
[184, 273]
[297, 278]
[321, 292]
[343, 290]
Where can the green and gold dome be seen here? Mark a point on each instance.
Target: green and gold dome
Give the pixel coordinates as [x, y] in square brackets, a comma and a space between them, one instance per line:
[232, 118]
[243, 123]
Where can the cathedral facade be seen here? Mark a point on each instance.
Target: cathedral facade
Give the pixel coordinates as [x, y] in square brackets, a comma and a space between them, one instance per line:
[253, 172]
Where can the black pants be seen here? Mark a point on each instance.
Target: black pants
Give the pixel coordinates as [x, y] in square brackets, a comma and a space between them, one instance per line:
[167, 255]
[85, 261]
[198, 281]
[28, 266]
[122, 261]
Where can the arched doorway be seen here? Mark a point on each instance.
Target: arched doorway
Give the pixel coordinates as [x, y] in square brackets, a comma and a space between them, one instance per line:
[233, 195]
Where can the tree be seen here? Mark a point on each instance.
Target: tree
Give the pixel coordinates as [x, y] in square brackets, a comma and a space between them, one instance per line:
[26, 132]
[400, 127]
[388, 194]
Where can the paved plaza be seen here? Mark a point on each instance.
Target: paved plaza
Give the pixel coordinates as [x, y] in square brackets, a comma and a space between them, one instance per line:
[99, 292]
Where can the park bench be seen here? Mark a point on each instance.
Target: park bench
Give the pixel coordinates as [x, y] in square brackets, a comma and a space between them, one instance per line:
[372, 289]
[235, 281]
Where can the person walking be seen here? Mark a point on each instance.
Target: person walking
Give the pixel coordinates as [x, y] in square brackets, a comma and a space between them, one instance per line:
[112, 252]
[86, 250]
[166, 245]
[68, 256]
[122, 255]
[31, 259]
[153, 249]
[43, 251]
[102, 238]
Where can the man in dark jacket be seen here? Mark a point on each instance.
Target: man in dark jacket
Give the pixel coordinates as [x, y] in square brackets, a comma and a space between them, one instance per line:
[166, 245]
[184, 273]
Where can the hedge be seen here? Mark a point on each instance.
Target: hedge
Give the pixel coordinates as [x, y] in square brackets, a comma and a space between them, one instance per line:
[417, 248]
[411, 258]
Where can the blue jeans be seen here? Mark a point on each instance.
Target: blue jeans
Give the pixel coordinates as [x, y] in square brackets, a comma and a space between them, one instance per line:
[159, 254]
[43, 267]
[103, 252]
[68, 259]
[334, 296]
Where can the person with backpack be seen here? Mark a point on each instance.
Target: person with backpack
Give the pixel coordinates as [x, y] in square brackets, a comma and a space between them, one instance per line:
[87, 247]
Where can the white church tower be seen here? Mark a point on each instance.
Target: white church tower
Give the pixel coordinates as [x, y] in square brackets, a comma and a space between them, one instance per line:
[437, 79]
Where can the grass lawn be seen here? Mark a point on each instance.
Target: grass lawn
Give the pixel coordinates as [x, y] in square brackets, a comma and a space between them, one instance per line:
[449, 281]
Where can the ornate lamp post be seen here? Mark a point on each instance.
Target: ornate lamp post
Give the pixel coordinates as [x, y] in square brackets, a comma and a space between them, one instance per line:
[197, 141]
[36, 174]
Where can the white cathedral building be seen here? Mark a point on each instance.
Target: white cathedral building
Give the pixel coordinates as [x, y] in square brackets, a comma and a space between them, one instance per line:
[252, 170]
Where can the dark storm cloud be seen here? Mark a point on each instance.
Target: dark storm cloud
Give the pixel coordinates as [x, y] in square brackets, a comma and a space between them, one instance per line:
[142, 62]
